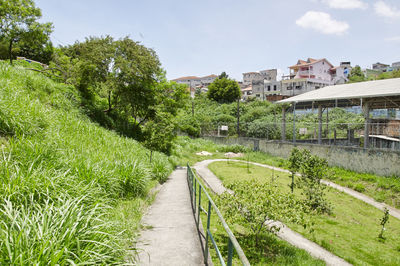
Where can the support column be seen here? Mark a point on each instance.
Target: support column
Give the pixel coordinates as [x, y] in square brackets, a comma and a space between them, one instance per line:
[366, 125]
[294, 122]
[319, 124]
[283, 134]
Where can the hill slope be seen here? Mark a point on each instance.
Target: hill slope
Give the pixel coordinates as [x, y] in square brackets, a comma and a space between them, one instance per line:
[61, 175]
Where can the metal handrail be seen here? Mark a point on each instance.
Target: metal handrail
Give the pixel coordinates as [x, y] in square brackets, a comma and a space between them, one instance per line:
[195, 185]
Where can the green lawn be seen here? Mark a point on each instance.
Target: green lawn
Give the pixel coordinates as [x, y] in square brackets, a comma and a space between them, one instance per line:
[351, 232]
[382, 189]
[275, 251]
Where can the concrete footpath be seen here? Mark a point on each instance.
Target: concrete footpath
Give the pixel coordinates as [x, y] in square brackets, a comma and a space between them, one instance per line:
[171, 236]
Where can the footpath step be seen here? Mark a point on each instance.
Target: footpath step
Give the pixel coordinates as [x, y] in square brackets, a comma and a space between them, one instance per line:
[170, 235]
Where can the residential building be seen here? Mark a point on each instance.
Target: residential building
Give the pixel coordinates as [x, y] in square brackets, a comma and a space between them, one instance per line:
[307, 76]
[396, 65]
[262, 89]
[194, 81]
[247, 92]
[250, 77]
[340, 74]
[380, 66]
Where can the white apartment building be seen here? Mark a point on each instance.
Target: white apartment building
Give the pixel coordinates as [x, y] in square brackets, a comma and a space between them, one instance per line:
[193, 81]
[313, 74]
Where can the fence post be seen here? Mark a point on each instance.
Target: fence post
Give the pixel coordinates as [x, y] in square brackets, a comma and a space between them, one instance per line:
[198, 208]
[208, 229]
[230, 252]
[194, 192]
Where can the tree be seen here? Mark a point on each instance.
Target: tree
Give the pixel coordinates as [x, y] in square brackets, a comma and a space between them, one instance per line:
[223, 75]
[18, 24]
[313, 169]
[88, 66]
[159, 133]
[224, 90]
[137, 72]
[254, 205]
[356, 75]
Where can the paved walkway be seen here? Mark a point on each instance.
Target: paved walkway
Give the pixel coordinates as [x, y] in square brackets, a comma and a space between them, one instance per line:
[284, 233]
[171, 237]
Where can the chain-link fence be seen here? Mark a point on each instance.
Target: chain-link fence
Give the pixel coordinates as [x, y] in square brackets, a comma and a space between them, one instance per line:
[382, 134]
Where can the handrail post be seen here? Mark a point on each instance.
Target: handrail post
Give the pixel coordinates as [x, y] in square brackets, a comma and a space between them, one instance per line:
[208, 228]
[230, 252]
[199, 208]
[194, 192]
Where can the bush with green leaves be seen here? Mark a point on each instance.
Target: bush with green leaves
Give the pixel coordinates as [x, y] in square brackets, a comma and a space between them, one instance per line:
[312, 170]
[254, 205]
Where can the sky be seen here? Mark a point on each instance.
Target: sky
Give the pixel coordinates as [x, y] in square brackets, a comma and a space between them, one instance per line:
[198, 38]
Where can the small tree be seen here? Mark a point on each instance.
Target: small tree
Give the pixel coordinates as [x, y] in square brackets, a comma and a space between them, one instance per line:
[356, 75]
[224, 90]
[384, 220]
[295, 162]
[313, 170]
[253, 205]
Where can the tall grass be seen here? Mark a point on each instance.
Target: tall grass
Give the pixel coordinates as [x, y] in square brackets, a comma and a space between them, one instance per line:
[61, 175]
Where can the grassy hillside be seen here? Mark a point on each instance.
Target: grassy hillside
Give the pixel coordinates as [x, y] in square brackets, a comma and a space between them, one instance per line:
[62, 177]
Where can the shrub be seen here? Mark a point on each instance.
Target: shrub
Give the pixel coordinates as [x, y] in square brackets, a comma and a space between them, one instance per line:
[252, 205]
[161, 170]
[313, 169]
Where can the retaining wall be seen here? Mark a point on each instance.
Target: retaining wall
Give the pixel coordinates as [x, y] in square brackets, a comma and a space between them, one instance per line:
[380, 162]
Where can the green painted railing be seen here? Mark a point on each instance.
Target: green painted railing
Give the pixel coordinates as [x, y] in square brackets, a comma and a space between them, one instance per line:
[196, 192]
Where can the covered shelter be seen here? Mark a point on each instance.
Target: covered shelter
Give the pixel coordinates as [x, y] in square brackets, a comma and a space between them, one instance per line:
[377, 94]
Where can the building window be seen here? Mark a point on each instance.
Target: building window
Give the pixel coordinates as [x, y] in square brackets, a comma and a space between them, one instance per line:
[269, 88]
[257, 95]
[289, 87]
[274, 87]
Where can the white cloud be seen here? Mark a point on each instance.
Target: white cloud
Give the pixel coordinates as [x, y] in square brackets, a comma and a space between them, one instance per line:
[322, 22]
[384, 10]
[393, 39]
[346, 4]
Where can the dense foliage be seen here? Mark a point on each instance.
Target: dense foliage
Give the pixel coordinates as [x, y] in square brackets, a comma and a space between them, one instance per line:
[62, 175]
[262, 119]
[224, 90]
[258, 207]
[21, 33]
[123, 87]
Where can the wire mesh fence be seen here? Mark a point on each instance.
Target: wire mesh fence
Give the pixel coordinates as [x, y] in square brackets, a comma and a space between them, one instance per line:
[384, 135]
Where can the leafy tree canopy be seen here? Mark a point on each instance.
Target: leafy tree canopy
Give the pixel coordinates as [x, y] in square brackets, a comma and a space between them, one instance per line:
[224, 90]
[19, 26]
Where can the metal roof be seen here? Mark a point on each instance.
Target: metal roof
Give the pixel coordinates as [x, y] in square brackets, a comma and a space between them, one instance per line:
[360, 90]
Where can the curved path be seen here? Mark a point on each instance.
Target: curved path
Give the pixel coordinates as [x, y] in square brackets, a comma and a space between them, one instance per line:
[170, 236]
[284, 233]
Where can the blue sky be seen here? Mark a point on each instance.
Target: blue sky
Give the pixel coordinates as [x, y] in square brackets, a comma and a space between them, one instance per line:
[236, 36]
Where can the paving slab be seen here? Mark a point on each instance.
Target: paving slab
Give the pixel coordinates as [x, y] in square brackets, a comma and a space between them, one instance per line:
[170, 236]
